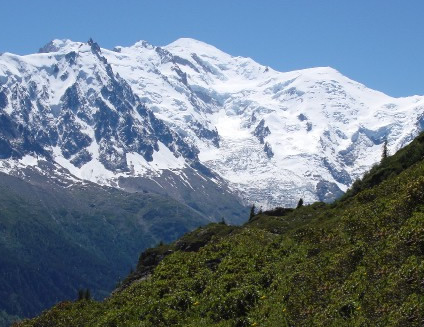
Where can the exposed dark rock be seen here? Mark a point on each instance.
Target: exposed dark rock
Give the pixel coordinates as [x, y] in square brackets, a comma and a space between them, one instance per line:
[206, 67]
[202, 169]
[17, 140]
[3, 99]
[106, 121]
[111, 158]
[49, 47]
[55, 70]
[9, 128]
[71, 98]
[32, 90]
[165, 55]
[181, 61]
[71, 57]
[268, 150]
[81, 158]
[6, 150]
[72, 140]
[64, 76]
[204, 133]
[302, 117]
[308, 126]
[261, 131]
[94, 46]
[181, 74]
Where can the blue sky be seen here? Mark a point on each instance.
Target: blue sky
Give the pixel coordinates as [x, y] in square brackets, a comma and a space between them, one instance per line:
[379, 43]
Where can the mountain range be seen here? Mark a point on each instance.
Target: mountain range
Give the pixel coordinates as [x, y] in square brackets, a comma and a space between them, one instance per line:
[188, 116]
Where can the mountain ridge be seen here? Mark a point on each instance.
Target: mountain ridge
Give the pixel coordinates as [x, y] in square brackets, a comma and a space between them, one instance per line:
[255, 128]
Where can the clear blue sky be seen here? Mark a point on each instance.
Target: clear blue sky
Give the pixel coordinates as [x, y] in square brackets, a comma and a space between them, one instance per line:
[377, 42]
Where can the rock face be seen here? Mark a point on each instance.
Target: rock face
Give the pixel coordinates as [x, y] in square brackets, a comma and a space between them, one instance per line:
[98, 119]
[187, 112]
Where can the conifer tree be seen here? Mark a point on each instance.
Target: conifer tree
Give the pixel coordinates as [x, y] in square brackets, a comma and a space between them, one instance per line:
[252, 212]
[300, 203]
[385, 152]
[87, 294]
[80, 294]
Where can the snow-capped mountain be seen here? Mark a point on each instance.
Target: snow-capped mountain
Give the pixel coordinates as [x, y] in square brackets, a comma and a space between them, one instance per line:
[190, 114]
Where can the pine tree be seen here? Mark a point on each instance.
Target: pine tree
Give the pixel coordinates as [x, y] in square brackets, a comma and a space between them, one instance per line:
[87, 294]
[385, 152]
[80, 294]
[300, 203]
[252, 212]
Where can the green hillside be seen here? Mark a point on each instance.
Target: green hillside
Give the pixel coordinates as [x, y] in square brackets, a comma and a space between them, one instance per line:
[55, 240]
[357, 262]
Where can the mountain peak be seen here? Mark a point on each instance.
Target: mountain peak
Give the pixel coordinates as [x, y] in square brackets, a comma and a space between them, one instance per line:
[94, 45]
[326, 71]
[58, 45]
[187, 41]
[189, 45]
[142, 44]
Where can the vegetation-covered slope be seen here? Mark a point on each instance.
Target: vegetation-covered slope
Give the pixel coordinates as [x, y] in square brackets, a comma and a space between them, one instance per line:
[55, 240]
[358, 262]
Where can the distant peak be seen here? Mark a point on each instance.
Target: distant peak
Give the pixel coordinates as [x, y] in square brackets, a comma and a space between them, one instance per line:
[94, 45]
[323, 70]
[54, 45]
[187, 41]
[57, 45]
[143, 44]
[138, 46]
[189, 44]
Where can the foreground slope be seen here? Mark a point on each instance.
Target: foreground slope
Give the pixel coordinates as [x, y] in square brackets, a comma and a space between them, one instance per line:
[358, 262]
